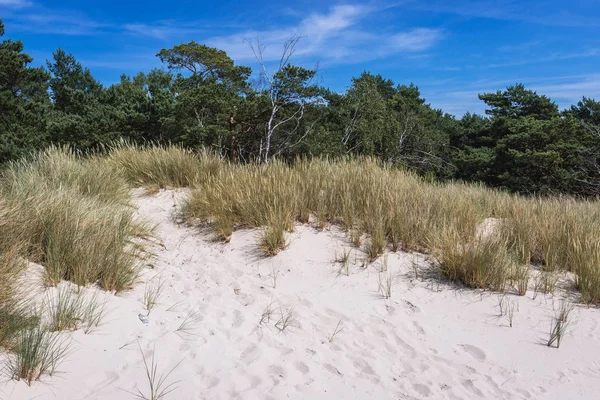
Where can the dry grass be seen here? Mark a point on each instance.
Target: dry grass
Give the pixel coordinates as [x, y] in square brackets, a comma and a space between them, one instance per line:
[15, 312]
[73, 216]
[161, 166]
[397, 210]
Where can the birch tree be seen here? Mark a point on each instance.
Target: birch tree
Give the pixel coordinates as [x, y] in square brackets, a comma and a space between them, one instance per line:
[289, 89]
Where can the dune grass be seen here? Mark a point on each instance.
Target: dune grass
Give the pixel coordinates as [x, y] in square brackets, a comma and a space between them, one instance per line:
[35, 353]
[396, 210]
[159, 167]
[15, 314]
[73, 216]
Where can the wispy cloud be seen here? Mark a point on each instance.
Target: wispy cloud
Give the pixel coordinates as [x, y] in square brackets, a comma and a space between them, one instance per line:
[549, 58]
[572, 91]
[15, 3]
[170, 29]
[457, 97]
[519, 47]
[55, 22]
[335, 37]
[557, 13]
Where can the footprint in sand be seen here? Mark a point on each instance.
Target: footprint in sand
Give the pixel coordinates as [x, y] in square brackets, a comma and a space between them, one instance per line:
[331, 369]
[423, 390]
[418, 328]
[470, 386]
[276, 370]
[300, 366]
[239, 319]
[473, 351]
[214, 381]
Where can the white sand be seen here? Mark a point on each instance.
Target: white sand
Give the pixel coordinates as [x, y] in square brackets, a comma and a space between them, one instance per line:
[426, 341]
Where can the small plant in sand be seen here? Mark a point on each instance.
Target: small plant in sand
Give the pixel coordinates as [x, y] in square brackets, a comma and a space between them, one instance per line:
[544, 282]
[36, 352]
[521, 278]
[188, 324]
[355, 237]
[383, 267]
[69, 311]
[93, 313]
[560, 324]
[336, 331]
[273, 277]
[385, 285]
[502, 303]
[510, 312]
[65, 310]
[273, 239]
[344, 260]
[415, 267]
[376, 244]
[287, 320]
[152, 293]
[158, 387]
[267, 314]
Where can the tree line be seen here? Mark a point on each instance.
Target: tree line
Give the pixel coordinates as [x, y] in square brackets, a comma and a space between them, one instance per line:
[523, 143]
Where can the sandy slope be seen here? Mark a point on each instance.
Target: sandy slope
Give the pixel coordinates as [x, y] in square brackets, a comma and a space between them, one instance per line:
[427, 341]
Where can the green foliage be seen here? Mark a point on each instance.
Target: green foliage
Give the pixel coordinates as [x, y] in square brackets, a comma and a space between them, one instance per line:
[23, 101]
[204, 63]
[523, 143]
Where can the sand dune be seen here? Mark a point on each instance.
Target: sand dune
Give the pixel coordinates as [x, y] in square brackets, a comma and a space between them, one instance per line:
[428, 340]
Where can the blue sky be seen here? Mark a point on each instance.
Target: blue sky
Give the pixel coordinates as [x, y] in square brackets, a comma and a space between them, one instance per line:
[452, 50]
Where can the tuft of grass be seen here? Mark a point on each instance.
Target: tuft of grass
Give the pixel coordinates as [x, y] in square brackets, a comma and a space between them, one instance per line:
[267, 314]
[502, 304]
[65, 310]
[273, 239]
[70, 311]
[520, 276]
[482, 264]
[15, 311]
[188, 324]
[156, 165]
[158, 387]
[93, 313]
[36, 352]
[152, 293]
[510, 312]
[344, 260]
[287, 320]
[73, 216]
[273, 276]
[560, 324]
[377, 243]
[384, 284]
[586, 259]
[355, 237]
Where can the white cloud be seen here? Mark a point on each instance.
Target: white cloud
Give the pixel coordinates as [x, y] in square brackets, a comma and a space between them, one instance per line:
[414, 40]
[337, 36]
